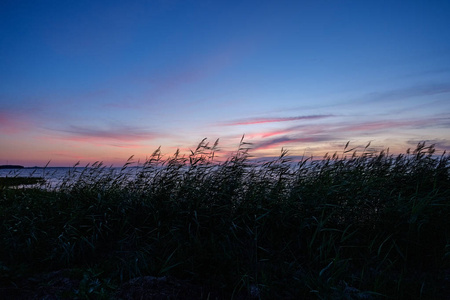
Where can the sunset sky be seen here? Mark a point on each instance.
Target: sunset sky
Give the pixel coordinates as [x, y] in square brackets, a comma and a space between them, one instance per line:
[104, 80]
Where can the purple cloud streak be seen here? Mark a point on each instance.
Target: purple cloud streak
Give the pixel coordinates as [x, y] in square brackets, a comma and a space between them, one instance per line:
[113, 134]
[252, 121]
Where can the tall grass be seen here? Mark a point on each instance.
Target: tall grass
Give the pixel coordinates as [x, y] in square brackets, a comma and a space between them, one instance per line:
[349, 226]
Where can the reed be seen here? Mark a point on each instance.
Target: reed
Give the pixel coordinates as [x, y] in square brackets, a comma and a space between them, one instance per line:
[20, 181]
[349, 226]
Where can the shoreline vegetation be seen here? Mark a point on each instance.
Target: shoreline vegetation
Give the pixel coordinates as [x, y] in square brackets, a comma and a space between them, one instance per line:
[354, 225]
[20, 181]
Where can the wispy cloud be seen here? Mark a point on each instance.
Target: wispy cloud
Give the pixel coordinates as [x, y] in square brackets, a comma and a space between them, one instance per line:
[304, 129]
[252, 121]
[273, 133]
[114, 135]
[425, 89]
[281, 141]
[374, 126]
[429, 89]
[343, 130]
[11, 123]
[190, 71]
[368, 127]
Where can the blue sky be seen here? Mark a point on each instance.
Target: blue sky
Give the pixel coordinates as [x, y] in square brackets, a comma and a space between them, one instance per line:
[103, 80]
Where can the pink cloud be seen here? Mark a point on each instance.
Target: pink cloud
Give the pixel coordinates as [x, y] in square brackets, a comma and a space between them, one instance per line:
[337, 131]
[272, 133]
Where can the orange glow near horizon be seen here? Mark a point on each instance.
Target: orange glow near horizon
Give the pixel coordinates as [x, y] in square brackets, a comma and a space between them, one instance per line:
[106, 81]
[115, 156]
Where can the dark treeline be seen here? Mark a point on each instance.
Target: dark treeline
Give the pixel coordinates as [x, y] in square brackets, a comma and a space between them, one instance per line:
[11, 167]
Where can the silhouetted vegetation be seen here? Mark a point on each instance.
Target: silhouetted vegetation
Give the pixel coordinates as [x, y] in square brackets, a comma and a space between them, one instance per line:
[349, 226]
[16, 181]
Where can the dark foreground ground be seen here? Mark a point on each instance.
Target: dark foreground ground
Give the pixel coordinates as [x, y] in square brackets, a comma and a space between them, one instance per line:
[64, 284]
[350, 226]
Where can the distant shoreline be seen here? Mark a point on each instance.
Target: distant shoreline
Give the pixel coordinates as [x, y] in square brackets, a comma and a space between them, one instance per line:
[11, 167]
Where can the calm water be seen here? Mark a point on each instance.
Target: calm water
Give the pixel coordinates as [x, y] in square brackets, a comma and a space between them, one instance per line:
[35, 172]
[55, 176]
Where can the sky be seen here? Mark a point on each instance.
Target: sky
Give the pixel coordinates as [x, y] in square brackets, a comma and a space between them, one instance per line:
[103, 80]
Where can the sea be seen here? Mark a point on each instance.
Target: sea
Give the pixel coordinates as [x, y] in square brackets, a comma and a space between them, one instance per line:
[54, 176]
[35, 172]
